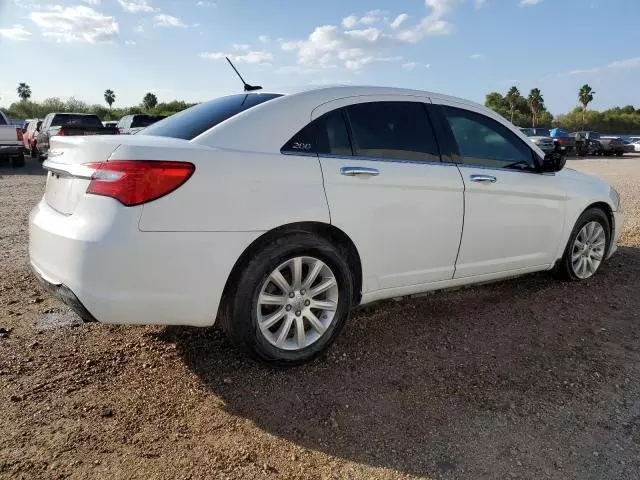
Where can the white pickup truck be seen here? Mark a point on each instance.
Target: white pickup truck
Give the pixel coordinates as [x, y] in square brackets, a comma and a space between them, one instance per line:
[11, 146]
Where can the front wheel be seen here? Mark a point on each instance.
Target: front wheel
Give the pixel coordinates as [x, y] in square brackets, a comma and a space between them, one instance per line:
[291, 300]
[587, 248]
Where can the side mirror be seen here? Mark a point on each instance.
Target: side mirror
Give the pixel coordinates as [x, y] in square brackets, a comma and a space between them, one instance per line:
[553, 162]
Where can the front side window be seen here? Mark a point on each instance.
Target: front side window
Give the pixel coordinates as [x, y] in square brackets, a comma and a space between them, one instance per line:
[485, 142]
[396, 130]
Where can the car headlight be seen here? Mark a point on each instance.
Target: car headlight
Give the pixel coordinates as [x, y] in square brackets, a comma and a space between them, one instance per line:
[615, 198]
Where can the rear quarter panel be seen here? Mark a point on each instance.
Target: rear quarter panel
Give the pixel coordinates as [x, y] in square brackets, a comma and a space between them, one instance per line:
[233, 191]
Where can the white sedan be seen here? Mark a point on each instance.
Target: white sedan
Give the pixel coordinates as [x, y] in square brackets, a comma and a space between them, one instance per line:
[277, 213]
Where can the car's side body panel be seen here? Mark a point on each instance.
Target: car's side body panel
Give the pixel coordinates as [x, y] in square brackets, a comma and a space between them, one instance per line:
[406, 221]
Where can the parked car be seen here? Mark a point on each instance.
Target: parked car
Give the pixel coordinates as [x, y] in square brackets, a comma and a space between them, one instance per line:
[278, 229]
[68, 124]
[11, 147]
[132, 124]
[636, 146]
[29, 136]
[613, 145]
[565, 143]
[541, 138]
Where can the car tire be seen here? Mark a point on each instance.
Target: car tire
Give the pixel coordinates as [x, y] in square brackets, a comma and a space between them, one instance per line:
[33, 152]
[17, 161]
[569, 267]
[245, 321]
[619, 154]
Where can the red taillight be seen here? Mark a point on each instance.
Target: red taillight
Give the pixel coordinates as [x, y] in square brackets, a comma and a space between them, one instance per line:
[19, 134]
[61, 132]
[133, 182]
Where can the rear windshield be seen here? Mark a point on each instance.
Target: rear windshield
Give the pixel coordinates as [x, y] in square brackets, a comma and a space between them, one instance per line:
[146, 120]
[193, 121]
[74, 119]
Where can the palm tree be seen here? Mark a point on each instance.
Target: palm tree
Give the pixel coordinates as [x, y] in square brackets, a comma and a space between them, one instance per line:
[109, 97]
[512, 98]
[149, 101]
[24, 91]
[536, 102]
[585, 95]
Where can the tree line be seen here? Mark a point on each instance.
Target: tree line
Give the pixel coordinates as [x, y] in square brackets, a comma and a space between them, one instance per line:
[25, 108]
[529, 111]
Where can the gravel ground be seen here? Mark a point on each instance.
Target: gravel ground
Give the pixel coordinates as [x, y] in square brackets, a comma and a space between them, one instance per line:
[528, 378]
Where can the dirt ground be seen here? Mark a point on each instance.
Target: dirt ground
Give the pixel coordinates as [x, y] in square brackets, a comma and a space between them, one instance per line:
[528, 378]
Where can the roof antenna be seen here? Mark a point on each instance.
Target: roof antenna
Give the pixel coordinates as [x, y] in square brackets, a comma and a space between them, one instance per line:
[247, 87]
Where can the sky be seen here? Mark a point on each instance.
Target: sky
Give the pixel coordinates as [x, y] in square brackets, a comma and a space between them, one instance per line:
[176, 48]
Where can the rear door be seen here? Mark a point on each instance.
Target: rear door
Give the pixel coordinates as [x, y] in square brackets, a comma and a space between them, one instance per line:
[388, 189]
[514, 216]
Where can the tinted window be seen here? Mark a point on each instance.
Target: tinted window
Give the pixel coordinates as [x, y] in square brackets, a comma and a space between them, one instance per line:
[2, 120]
[73, 119]
[393, 130]
[145, 120]
[193, 121]
[327, 134]
[483, 141]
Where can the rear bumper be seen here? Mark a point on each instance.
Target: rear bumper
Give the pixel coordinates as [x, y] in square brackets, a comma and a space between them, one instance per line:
[64, 293]
[102, 264]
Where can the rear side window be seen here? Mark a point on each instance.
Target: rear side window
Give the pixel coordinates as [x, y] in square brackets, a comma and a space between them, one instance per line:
[71, 119]
[399, 130]
[2, 120]
[145, 120]
[193, 121]
[327, 134]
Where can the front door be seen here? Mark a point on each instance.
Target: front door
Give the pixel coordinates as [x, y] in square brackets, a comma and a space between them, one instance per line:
[388, 190]
[514, 215]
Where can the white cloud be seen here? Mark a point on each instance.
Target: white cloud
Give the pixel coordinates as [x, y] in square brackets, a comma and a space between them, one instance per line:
[330, 45]
[479, 3]
[76, 24]
[164, 20]
[350, 21]
[264, 39]
[409, 66]
[241, 46]
[629, 63]
[476, 56]
[399, 20]
[130, 42]
[524, 3]
[16, 32]
[139, 29]
[257, 57]
[136, 6]
[206, 4]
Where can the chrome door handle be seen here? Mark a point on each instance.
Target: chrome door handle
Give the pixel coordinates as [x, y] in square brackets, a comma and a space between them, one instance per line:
[483, 178]
[359, 171]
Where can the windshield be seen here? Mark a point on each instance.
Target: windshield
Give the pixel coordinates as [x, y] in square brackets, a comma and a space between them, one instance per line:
[75, 119]
[190, 123]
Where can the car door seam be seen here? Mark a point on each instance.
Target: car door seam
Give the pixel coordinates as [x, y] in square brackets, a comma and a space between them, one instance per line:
[324, 189]
[464, 213]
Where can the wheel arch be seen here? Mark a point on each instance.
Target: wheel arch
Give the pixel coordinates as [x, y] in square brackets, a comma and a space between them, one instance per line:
[606, 208]
[325, 230]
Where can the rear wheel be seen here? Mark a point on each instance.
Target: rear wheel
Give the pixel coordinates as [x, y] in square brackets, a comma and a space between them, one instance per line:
[619, 154]
[587, 248]
[291, 300]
